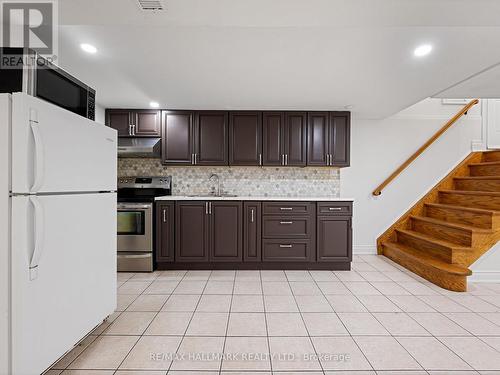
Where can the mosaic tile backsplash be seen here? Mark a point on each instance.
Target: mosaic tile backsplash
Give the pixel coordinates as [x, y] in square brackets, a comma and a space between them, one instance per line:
[242, 181]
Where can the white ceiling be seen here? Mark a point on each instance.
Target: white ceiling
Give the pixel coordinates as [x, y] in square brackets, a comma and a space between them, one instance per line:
[278, 54]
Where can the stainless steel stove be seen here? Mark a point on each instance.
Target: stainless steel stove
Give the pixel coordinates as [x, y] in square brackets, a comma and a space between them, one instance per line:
[135, 227]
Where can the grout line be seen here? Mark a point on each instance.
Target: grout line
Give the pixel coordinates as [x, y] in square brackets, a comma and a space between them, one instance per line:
[304, 322]
[227, 325]
[265, 320]
[341, 321]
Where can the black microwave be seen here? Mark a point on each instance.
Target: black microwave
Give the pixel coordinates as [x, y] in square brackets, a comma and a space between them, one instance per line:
[23, 70]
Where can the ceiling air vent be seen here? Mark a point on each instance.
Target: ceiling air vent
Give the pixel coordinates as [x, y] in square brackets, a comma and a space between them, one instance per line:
[150, 4]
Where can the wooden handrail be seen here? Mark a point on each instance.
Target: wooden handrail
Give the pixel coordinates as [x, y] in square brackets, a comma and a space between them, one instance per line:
[431, 140]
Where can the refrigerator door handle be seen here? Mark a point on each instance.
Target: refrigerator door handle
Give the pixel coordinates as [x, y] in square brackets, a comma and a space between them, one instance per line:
[39, 156]
[38, 235]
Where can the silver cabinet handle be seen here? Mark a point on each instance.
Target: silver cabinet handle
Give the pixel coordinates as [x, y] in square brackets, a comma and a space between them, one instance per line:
[195, 157]
[206, 208]
[286, 208]
[130, 132]
[210, 208]
[192, 159]
[133, 128]
[335, 208]
[164, 215]
[286, 246]
[260, 159]
[286, 159]
[286, 222]
[251, 216]
[283, 159]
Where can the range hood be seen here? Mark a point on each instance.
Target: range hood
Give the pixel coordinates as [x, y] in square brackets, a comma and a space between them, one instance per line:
[139, 147]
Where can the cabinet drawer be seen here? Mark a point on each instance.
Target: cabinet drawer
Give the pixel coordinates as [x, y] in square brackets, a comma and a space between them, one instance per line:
[335, 208]
[286, 250]
[288, 208]
[286, 227]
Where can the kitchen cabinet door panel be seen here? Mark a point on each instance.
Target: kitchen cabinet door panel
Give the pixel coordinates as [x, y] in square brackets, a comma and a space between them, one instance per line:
[165, 235]
[211, 138]
[177, 140]
[245, 138]
[120, 120]
[252, 232]
[295, 144]
[340, 138]
[226, 238]
[317, 138]
[272, 138]
[191, 234]
[334, 239]
[147, 123]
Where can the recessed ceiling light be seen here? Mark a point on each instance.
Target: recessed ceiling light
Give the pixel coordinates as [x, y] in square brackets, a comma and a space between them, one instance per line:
[89, 48]
[422, 50]
[154, 104]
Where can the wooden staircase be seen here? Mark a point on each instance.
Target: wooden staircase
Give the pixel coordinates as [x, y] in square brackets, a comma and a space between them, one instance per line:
[451, 226]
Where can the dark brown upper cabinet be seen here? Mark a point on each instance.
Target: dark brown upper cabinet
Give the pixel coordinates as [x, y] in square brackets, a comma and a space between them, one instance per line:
[328, 139]
[211, 138]
[135, 123]
[284, 138]
[340, 138]
[165, 244]
[226, 231]
[147, 123]
[245, 138]
[120, 120]
[273, 128]
[317, 138]
[178, 138]
[295, 139]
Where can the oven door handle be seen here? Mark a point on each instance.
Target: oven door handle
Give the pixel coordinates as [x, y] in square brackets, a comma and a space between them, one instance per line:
[133, 207]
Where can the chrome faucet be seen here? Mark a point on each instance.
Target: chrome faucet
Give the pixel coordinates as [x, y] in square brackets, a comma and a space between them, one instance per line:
[217, 192]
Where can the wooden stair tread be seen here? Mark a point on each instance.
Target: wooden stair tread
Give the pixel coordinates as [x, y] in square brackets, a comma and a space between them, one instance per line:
[471, 192]
[434, 240]
[422, 258]
[452, 225]
[468, 209]
[478, 178]
[484, 163]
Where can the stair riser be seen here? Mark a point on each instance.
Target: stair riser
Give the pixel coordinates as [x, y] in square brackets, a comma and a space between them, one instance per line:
[460, 217]
[437, 251]
[478, 185]
[442, 279]
[484, 170]
[461, 237]
[491, 156]
[468, 200]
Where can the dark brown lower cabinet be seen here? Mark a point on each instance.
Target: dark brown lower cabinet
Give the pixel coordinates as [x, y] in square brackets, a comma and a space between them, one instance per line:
[191, 232]
[334, 239]
[251, 235]
[165, 232]
[226, 231]
[252, 232]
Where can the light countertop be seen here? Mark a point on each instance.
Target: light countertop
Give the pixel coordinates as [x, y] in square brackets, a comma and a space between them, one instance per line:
[243, 198]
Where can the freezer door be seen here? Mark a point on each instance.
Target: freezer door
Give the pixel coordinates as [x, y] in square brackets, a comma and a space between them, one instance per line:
[55, 150]
[63, 269]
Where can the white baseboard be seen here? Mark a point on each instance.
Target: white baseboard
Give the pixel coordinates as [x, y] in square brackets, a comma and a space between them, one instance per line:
[484, 277]
[364, 249]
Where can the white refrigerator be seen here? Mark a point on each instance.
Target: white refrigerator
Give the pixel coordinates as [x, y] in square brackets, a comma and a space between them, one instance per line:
[57, 231]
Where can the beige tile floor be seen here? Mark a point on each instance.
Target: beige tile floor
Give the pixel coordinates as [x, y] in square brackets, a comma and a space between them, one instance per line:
[375, 319]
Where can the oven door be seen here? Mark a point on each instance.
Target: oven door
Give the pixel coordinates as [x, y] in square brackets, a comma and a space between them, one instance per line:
[135, 227]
